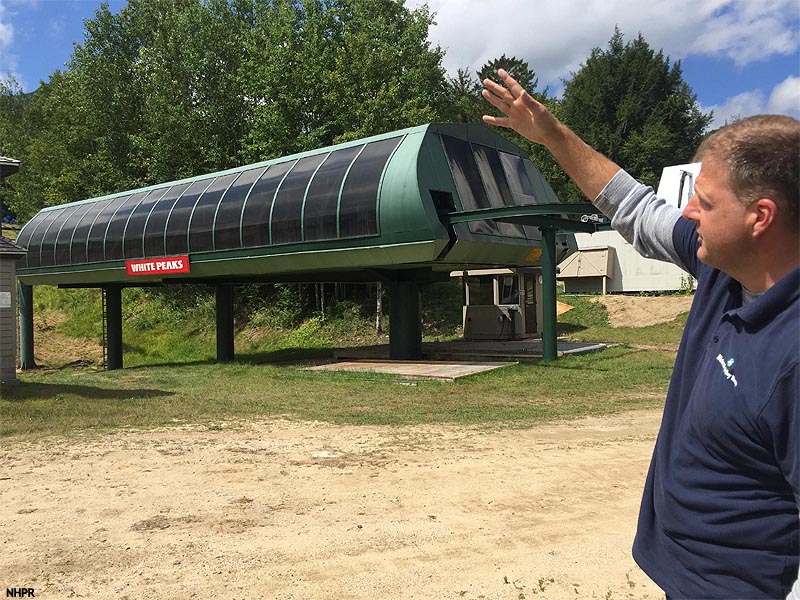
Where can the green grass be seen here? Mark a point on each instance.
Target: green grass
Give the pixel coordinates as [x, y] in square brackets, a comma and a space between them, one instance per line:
[69, 400]
[171, 377]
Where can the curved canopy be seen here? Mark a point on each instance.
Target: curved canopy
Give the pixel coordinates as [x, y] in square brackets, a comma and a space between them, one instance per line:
[370, 203]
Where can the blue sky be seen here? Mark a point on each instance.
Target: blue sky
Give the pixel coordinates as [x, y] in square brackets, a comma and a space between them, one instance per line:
[740, 57]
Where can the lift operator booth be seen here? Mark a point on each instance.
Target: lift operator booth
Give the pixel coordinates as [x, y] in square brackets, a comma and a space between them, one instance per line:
[405, 208]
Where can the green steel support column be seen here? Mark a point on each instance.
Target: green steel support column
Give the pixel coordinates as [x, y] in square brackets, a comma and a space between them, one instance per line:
[25, 299]
[405, 323]
[549, 316]
[224, 294]
[114, 326]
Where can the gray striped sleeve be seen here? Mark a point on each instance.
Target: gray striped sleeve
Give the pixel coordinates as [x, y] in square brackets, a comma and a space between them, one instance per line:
[642, 218]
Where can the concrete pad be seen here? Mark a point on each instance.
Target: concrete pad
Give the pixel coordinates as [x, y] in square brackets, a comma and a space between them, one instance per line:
[446, 370]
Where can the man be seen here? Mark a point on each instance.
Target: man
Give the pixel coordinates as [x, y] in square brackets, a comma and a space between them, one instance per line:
[720, 516]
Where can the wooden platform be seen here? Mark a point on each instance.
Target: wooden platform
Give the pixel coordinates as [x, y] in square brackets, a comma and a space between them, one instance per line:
[446, 370]
[525, 350]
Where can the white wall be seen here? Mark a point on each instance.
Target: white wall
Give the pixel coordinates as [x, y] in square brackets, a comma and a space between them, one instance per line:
[632, 272]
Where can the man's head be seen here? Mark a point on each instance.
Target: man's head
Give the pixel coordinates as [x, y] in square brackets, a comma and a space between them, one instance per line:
[746, 196]
[762, 158]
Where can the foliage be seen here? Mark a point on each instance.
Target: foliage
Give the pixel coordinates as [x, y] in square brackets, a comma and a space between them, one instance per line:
[167, 89]
[628, 102]
[516, 67]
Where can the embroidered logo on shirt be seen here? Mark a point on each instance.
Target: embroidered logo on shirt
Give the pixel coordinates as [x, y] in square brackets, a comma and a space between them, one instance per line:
[725, 364]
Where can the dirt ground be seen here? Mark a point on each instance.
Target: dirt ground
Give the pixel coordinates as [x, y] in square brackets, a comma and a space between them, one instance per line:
[639, 311]
[286, 510]
[292, 510]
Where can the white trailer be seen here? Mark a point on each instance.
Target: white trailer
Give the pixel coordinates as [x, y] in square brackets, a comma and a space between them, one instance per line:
[605, 262]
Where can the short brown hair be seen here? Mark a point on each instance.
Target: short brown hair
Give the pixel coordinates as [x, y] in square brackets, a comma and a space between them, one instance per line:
[762, 154]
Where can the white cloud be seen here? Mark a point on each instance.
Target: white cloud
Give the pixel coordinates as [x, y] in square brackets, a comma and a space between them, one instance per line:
[555, 37]
[6, 29]
[784, 99]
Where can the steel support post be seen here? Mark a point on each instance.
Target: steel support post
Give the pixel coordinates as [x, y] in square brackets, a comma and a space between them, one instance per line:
[405, 323]
[549, 315]
[224, 295]
[25, 299]
[114, 326]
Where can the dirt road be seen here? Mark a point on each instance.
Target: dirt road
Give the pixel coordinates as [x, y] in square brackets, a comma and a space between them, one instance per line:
[290, 510]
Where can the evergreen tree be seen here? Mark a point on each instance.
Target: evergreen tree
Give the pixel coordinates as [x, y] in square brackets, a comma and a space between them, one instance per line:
[628, 102]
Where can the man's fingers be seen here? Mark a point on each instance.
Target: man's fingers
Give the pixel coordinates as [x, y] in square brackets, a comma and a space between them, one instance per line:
[498, 121]
[497, 90]
[498, 103]
[514, 88]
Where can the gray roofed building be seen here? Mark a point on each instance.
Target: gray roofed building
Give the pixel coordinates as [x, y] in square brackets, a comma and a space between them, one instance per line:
[8, 166]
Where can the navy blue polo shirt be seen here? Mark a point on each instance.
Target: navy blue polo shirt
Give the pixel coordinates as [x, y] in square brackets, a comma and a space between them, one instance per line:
[719, 516]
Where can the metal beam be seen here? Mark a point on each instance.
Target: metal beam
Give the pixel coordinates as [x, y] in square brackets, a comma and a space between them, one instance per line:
[224, 296]
[114, 330]
[536, 215]
[26, 360]
[549, 312]
[405, 324]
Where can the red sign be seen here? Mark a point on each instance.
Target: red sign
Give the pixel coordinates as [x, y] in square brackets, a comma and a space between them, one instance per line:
[158, 266]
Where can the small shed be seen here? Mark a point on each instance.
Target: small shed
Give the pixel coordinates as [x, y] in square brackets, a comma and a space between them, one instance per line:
[10, 253]
[588, 271]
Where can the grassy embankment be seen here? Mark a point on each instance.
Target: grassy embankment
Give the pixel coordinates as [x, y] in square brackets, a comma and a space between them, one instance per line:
[170, 376]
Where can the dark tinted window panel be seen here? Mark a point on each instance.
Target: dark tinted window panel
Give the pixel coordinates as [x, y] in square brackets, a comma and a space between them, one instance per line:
[116, 228]
[48, 254]
[322, 200]
[64, 240]
[29, 233]
[496, 185]
[201, 228]
[287, 212]
[35, 243]
[97, 234]
[516, 175]
[157, 221]
[358, 210]
[177, 241]
[134, 230]
[255, 220]
[468, 181]
[518, 181]
[229, 213]
[81, 234]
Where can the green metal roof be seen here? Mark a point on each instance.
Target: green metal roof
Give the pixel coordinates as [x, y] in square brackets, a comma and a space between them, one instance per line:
[366, 204]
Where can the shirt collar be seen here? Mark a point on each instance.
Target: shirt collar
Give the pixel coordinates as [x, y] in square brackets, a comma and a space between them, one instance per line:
[772, 302]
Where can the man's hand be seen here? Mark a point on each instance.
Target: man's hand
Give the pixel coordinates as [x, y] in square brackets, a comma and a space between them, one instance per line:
[524, 115]
[587, 167]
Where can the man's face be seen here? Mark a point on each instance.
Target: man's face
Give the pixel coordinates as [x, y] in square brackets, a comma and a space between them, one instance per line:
[721, 220]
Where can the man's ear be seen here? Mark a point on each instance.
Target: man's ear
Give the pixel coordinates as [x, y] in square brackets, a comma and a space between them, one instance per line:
[764, 213]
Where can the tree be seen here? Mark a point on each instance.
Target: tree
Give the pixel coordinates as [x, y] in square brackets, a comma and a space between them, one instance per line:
[321, 72]
[516, 67]
[628, 102]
